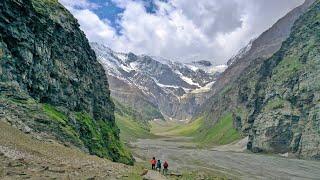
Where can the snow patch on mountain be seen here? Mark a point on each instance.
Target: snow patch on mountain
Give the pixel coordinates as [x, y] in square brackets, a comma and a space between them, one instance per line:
[242, 52]
[197, 76]
[187, 79]
[206, 88]
[212, 69]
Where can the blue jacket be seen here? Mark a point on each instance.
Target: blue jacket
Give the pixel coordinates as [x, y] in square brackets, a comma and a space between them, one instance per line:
[159, 164]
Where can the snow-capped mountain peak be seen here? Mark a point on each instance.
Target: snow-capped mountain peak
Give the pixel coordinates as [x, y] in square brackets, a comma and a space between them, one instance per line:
[189, 76]
[159, 81]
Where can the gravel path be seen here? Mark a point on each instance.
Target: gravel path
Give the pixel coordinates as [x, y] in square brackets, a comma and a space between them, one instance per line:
[182, 155]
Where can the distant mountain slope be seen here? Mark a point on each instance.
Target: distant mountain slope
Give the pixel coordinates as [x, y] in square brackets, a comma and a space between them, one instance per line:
[223, 95]
[275, 100]
[150, 83]
[260, 48]
[51, 83]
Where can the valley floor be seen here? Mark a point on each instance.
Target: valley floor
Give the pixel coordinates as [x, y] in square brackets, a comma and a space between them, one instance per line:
[23, 156]
[183, 155]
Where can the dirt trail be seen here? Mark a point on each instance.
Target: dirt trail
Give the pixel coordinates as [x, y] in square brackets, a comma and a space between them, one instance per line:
[183, 155]
[154, 175]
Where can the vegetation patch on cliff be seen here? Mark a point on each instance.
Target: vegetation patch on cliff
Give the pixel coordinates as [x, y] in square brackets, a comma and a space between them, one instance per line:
[99, 137]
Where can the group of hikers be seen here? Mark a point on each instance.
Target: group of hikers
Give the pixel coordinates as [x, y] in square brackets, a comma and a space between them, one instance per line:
[156, 165]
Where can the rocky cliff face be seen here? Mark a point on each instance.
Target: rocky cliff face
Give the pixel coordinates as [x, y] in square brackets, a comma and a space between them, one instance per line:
[260, 48]
[275, 100]
[283, 97]
[224, 92]
[156, 87]
[50, 80]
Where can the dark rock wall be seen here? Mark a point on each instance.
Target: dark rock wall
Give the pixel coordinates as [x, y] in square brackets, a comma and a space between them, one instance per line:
[48, 57]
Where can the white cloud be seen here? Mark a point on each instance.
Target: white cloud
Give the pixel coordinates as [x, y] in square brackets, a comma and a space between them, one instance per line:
[180, 29]
[94, 27]
[83, 4]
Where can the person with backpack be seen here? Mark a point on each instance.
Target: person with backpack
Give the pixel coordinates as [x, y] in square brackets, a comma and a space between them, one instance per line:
[153, 163]
[165, 168]
[159, 165]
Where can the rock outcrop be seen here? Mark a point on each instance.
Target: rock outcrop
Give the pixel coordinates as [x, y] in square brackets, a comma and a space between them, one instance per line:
[51, 81]
[272, 90]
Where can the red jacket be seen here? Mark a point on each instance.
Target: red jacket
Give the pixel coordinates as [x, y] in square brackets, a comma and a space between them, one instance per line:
[165, 164]
[153, 161]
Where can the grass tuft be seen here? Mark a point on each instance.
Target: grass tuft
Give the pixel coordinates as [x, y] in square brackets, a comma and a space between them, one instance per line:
[54, 114]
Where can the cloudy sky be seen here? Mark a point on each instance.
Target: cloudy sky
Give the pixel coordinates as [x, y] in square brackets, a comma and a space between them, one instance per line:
[182, 30]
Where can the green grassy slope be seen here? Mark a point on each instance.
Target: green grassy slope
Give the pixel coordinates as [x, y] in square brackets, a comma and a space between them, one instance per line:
[131, 125]
[77, 128]
[221, 133]
[179, 129]
[130, 130]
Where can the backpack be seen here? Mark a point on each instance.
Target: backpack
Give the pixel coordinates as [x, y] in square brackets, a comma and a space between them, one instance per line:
[165, 165]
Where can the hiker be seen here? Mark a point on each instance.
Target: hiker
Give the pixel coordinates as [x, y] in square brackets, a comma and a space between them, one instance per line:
[159, 165]
[165, 168]
[153, 163]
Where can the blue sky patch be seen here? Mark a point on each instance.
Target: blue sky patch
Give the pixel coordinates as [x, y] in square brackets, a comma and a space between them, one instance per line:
[109, 10]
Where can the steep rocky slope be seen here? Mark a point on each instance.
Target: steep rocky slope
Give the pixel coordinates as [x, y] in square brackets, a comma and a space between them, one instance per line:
[156, 87]
[275, 100]
[260, 48]
[283, 97]
[50, 81]
[223, 95]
